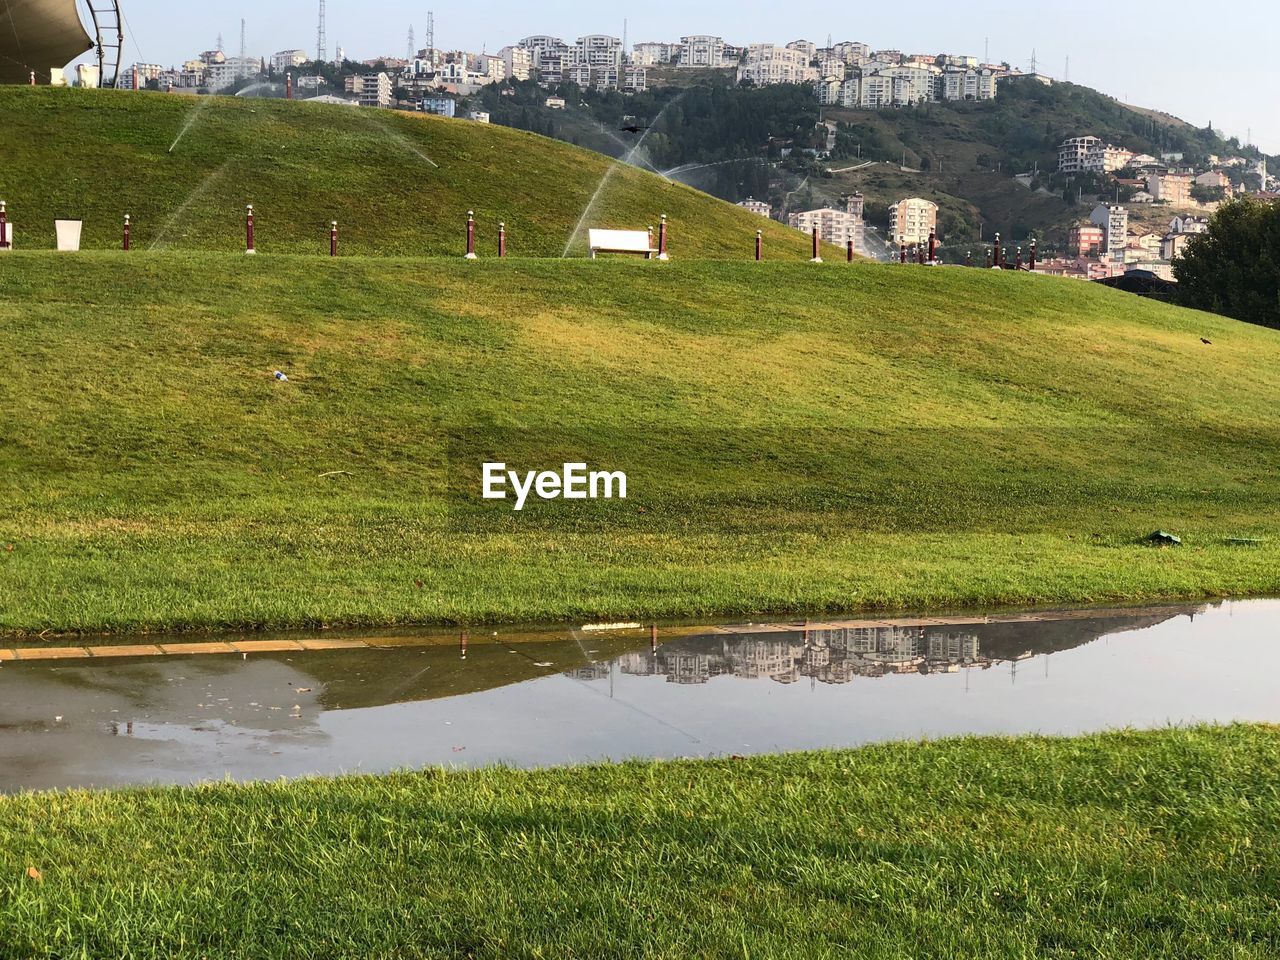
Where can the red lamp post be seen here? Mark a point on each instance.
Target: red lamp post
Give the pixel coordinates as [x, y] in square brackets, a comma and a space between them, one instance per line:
[471, 235]
[333, 238]
[662, 239]
[817, 250]
[128, 230]
[998, 261]
[502, 240]
[759, 245]
[4, 226]
[248, 230]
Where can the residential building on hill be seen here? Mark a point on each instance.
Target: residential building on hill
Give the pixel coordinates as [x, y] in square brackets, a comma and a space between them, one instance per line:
[833, 226]
[912, 220]
[756, 206]
[1114, 221]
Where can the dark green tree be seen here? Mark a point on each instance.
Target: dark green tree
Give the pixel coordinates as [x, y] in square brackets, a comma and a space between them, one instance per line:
[1234, 269]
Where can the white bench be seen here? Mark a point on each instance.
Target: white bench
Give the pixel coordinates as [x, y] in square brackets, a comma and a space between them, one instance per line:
[621, 241]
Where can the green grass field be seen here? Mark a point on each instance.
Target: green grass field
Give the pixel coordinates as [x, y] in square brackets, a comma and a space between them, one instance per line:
[1121, 845]
[398, 184]
[797, 437]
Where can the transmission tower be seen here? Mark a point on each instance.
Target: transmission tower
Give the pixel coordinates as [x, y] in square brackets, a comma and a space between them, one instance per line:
[321, 43]
[1033, 61]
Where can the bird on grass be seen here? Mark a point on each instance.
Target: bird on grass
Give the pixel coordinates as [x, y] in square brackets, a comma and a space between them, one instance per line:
[1203, 340]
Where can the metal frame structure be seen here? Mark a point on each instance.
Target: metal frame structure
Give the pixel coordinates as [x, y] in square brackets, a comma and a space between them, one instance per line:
[108, 29]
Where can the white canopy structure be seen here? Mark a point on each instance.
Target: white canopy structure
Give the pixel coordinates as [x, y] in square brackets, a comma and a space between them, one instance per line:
[39, 36]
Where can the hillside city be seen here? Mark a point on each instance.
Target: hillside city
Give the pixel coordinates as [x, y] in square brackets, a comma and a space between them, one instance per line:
[1148, 206]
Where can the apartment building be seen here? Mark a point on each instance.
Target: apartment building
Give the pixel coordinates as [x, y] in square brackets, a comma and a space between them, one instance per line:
[1170, 187]
[967, 83]
[287, 60]
[598, 50]
[756, 206]
[656, 54]
[701, 51]
[374, 90]
[1074, 153]
[768, 63]
[833, 226]
[1114, 221]
[1086, 240]
[517, 63]
[912, 220]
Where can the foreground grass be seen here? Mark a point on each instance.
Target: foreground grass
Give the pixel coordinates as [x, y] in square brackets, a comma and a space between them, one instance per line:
[1122, 845]
[397, 183]
[879, 437]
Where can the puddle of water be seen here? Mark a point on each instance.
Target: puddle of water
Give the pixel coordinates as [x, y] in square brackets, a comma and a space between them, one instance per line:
[580, 697]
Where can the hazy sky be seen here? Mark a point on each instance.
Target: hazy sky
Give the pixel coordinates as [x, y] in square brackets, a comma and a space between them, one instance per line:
[1201, 62]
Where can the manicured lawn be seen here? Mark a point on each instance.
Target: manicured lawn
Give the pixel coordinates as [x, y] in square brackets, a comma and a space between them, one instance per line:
[397, 183]
[796, 438]
[1123, 845]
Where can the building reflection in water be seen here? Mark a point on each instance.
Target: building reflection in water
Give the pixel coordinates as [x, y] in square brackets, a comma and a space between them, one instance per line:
[828, 655]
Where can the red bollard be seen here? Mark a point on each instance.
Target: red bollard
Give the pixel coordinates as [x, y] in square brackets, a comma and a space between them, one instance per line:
[333, 238]
[920, 254]
[662, 239]
[759, 245]
[1017, 264]
[4, 226]
[502, 240]
[968, 258]
[817, 250]
[902, 251]
[471, 235]
[933, 246]
[1033, 254]
[848, 254]
[288, 86]
[248, 230]
[127, 231]
[999, 262]
[989, 260]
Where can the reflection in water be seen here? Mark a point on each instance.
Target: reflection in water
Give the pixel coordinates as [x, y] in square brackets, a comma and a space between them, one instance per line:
[569, 697]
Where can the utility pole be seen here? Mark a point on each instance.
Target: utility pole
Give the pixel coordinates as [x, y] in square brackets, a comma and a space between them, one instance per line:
[431, 38]
[321, 41]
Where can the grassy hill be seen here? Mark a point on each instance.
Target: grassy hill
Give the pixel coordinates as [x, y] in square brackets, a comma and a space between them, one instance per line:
[399, 184]
[795, 436]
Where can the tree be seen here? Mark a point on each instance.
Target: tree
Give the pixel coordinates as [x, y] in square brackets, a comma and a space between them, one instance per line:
[1234, 268]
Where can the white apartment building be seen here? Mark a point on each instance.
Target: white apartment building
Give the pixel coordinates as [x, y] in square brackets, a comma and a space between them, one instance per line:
[851, 52]
[517, 63]
[287, 60]
[374, 90]
[598, 50]
[1073, 154]
[1114, 221]
[547, 54]
[1188, 224]
[702, 51]
[768, 63]
[833, 226]
[756, 206]
[805, 47]
[651, 54]
[912, 220]
[968, 83]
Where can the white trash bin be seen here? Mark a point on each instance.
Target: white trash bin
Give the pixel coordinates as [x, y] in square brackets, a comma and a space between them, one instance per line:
[68, 234]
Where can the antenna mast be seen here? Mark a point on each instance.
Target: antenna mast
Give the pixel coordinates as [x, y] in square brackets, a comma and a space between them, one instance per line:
[321, 42]
[431, 37]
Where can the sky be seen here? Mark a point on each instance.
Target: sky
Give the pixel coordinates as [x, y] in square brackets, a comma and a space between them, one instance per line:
[1203, 64]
